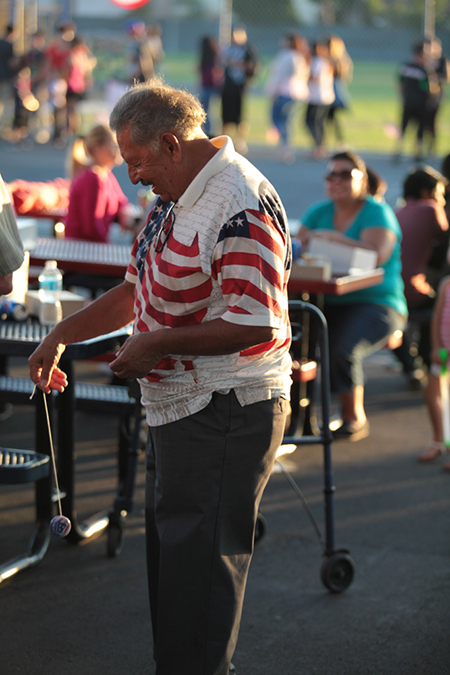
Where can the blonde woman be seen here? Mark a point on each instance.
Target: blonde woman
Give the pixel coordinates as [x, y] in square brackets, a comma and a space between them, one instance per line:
[96, 199]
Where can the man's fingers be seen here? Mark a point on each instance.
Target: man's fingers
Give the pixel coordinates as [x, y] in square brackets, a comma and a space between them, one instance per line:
[45, 378]
[56, 379]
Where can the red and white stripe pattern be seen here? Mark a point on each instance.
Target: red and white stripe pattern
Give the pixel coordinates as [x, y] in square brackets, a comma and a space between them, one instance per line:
[220, 261]
[250, 266]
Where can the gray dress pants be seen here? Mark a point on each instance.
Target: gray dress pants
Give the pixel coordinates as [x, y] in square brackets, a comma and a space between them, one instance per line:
[205, 477]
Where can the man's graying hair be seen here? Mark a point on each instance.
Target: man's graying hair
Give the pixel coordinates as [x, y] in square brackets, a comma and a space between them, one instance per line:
[152, 108]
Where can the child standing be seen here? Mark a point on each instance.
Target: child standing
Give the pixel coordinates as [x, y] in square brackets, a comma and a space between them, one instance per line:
[440, 338]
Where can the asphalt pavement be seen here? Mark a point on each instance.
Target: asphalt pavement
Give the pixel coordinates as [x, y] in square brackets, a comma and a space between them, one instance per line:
[299, 184]
[80, 611]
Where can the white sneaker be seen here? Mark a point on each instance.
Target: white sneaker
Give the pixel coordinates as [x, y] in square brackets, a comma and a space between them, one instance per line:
[232, 668]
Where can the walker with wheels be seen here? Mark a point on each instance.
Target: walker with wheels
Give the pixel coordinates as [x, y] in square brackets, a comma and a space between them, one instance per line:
[338, 568]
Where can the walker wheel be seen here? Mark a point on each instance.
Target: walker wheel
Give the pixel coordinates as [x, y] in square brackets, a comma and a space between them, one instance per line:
[260, 528]
[337, 571]
[115, 530]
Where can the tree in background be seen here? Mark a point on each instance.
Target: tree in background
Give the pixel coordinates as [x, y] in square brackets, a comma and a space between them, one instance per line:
[395, 13]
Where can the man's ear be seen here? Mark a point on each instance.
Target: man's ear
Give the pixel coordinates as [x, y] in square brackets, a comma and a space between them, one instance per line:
[171, 144]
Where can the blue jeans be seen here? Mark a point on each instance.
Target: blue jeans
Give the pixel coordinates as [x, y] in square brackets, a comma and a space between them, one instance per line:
[281, 109]
[355, 332]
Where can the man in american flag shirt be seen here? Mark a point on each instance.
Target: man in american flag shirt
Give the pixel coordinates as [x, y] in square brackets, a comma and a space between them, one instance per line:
[207, 290]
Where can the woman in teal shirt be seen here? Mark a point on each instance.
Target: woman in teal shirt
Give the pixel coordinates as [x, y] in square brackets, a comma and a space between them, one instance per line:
[361, 322]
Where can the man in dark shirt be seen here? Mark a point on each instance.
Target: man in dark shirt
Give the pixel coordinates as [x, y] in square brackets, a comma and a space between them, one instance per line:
[414, 91]
[439, 75]
[6, 69]
[424, 226]
[240, 66]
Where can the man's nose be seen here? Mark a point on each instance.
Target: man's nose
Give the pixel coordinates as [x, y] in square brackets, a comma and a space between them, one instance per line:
[133, 175]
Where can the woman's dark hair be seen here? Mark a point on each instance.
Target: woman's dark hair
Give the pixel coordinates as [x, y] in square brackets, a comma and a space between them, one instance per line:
[291, 40]
[356, 160]
[418, 48]
[421, 178]
[376, 185]
[358, 163]
[208, 51]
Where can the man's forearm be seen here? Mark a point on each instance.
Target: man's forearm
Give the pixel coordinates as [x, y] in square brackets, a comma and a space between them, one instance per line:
[214, 338]
[109, 312]
[142, 352]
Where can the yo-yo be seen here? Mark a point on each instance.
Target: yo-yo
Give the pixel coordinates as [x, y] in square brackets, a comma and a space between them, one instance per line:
[60, 526]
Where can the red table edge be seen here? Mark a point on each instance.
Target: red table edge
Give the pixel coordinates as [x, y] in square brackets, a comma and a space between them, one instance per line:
[101, 269]
[337, 285]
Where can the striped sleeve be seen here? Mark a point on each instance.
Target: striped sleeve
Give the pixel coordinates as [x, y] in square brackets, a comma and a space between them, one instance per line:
[249, 263]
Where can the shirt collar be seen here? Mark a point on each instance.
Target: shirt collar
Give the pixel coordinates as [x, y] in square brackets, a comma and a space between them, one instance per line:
[217, 163]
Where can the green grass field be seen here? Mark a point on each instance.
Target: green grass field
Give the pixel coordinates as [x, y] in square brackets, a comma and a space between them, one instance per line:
[368, 124]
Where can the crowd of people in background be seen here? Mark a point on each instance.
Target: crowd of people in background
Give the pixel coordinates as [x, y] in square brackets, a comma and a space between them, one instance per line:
[314, 75]
[42, 88]
[307, 84]
[313, 80]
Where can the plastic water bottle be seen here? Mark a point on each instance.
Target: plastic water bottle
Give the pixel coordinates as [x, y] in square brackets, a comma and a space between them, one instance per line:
[50, 287]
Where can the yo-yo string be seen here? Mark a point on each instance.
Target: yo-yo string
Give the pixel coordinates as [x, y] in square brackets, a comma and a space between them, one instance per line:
[52, 451]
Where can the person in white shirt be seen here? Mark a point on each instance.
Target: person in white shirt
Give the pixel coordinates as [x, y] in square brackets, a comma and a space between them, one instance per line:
[287, 84]
[321, 96]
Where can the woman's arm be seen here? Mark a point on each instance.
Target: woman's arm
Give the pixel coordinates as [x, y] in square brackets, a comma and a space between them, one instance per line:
[381, 240]
[377, 239]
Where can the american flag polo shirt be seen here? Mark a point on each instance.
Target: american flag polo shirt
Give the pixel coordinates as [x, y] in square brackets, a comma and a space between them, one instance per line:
[228, 256]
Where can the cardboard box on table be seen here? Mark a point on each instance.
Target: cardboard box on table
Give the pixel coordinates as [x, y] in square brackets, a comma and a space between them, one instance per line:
[313, 267]
[345, 260]
[70, 302]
